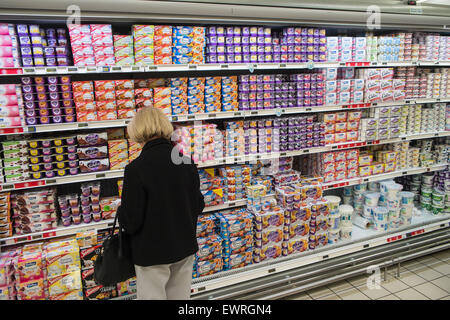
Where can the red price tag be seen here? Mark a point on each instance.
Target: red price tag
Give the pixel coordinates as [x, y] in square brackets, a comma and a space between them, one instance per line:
[392, 239]
[22, 239]
[11, 130]
[49, 234]
[31, 184]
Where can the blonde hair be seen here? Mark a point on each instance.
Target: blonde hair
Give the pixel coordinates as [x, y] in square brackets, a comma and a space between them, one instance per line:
[149, 123]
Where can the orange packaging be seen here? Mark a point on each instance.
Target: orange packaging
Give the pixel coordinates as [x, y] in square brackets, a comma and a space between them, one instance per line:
[84, 116]
[78, 86]
[133, 146]
[86, 106]
[163, 30]
[353, 126]
[118, 165]
[329, 117]
[133, 156]
[118, 157]
[340, 127]
[125, 104]
[104, 85]
[160, 59]
[124, 84]
[163, 51]
[126, 113]
[106, 115]
[115, 146]
[125, 94]
[106, 105]
[341, 116]
[330, 128]
[83, 96]
[143, 93]
[161, 93]
[105, 95]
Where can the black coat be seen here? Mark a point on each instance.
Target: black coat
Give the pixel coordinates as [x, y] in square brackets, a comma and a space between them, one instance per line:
[160, 205]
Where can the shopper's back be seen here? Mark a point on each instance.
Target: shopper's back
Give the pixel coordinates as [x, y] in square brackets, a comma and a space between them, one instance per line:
[163, 214]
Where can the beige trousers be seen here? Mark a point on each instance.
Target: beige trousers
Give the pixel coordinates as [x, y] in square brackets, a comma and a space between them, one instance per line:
[165, 281]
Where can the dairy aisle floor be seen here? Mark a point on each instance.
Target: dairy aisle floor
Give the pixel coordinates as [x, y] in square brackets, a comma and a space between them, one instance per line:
[425, 278]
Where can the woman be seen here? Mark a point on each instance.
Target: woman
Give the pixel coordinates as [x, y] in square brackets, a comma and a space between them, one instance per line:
[160, 204]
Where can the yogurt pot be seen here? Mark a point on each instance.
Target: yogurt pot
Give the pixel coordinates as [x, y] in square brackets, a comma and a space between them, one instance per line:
[360, 188]
[407, 198]
[374, 186]
[437, 198]
[346, 233]
[394, 214]
[406, 211]
[384, 185]
[345, 211]
[371, 198]
[427, 178]
[334, 221]
[348, 191]
[368, 211]
[333, 202]
[392, 190]
[66, 221]
[348, 200]
[334, 236]
[380, 214]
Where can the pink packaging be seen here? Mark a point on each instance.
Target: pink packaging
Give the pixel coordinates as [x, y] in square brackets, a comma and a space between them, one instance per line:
[352, 164]
[340, 175]
[9, 111]
[77, 29]
[84, 61]
[7, 89]
[105, 60]
[352, 173]
[101, 29]
[8, 100]
[387, 73]
[102, 40]
[327, 157]
[6, 62]
[6, 52]
[82, 50]
[340, 155]
[4, 30]
[344, 97]
[358, 97]
[329, 177]
[373, 74]
[340, 165]
[103, 51]
[331, 86]
[330, 99]
[352, 154]
[345, 85]
[81, 40]
[10, 122]
[5, 40]
[328, 167]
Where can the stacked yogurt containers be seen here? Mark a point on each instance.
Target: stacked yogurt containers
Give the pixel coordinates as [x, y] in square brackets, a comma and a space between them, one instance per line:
[346, 225]
[334, 219]
[406, 207]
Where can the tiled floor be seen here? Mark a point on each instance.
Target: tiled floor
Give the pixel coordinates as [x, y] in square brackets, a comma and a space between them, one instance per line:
[426, 278]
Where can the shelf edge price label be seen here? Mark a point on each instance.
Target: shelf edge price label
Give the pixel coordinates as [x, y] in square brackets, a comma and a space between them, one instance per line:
[49, 234]
[224, 66]
[83, 125]
[392, 239]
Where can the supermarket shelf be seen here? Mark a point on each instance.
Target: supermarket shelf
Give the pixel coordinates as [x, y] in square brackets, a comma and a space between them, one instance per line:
[361, 240]
[383, 176]
[215, 67]
[210, 116]
[231, 204]
[58, 232]
[330, 147]
[74, 229]
[61, 180]
[224, 161]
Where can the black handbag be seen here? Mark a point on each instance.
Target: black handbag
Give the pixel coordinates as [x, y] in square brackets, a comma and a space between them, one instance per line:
[113, 264]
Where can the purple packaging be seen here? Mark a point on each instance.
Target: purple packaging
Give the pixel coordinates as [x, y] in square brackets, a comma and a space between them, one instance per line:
[69, 111]
[52, 42]
[62, 42]
[22, 29]
[50, 61]
[57, 119]
[43, 112]
[27, 62]
[54, 96]
[56, 111]
[62, 61]
[49, 51]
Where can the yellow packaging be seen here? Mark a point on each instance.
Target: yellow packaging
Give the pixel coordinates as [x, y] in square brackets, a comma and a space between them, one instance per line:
[390, 166]
[365, 160]
[378, 168]
[87, 238]
[118, 165]
[70, 295]
[64, 283]
[365, 171]
[63, 260]
[117, 146]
